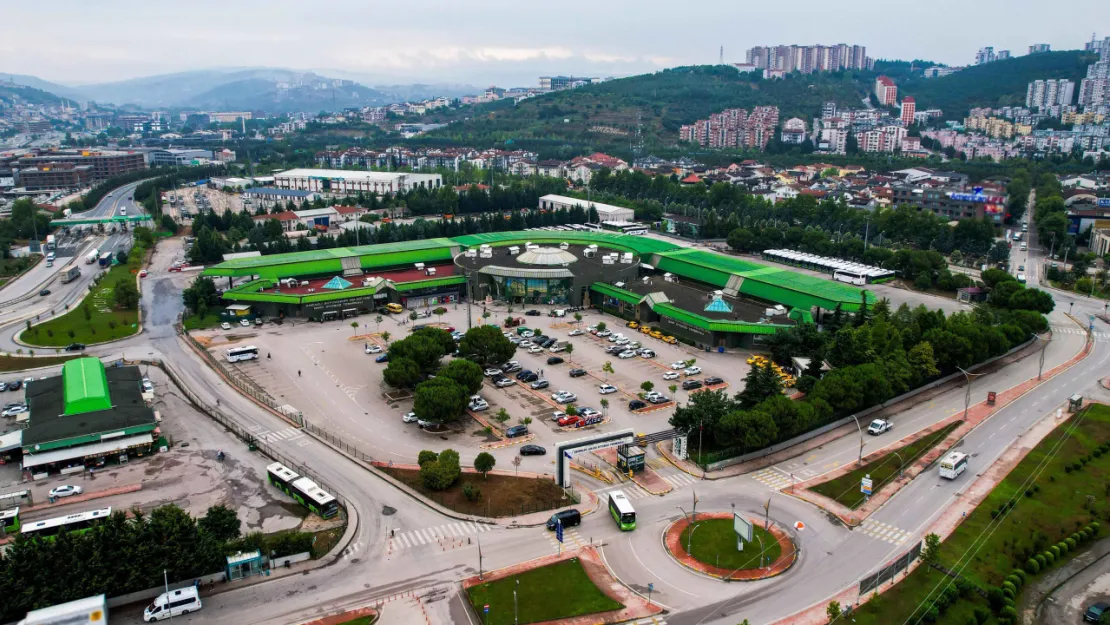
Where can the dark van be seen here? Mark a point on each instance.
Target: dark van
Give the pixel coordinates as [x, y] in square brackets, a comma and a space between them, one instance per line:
[568, 518]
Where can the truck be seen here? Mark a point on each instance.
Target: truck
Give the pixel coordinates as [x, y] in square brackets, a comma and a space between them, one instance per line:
[70, 273]
[105, 259]
[91, 611]
[91, 257]
[67, 213]
[51, 243]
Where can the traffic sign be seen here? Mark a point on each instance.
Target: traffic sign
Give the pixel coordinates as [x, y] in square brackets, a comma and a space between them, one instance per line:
[567, 454]
[486, 608]
[865, 485]
[559, 531]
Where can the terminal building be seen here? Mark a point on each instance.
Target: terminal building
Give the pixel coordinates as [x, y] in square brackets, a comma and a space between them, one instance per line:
[87, 417]
[703, 298]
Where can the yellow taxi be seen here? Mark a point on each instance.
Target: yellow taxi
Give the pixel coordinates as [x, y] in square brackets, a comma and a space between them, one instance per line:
[670, 339]
[645, 330]
[633, 325]
[656, 334]
[757, 360]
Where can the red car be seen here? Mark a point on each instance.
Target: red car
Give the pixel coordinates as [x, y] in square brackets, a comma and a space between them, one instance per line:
[569, 420]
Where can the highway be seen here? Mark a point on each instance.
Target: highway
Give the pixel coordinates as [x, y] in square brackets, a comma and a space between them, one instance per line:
[832, 557]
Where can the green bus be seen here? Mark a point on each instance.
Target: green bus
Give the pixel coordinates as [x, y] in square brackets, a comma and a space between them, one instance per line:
[9, 520]
[79, 522]
[622, 511]
[304, 490]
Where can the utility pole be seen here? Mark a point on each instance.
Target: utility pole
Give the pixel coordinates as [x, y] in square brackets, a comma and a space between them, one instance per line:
[858, 427]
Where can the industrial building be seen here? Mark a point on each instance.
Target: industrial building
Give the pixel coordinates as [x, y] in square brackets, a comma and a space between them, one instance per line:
[605, 212]
[87, 417]
[343, 182]
[701, 297]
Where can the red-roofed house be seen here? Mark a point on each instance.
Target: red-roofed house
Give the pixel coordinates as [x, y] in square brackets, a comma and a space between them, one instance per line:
[288, 219]
[691, 179]
[348, 213]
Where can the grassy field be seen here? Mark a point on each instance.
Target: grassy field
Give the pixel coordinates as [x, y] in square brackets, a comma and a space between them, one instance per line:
[502, 495]
[715, 543]
[94, 320]
[560, 590]
[883, 470]
[362, 620]
[14, 363]
[196, 322]
[1042, 502]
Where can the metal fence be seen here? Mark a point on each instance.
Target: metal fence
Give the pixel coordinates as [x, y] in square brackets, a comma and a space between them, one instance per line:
[887, 573]
[245, 385]
[336, 441]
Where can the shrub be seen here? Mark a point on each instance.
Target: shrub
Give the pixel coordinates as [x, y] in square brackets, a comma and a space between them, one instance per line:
[1042, 560]
[1049, 558]
[1032, 566]
[933, 613]
[1070, 542]
[964, 587]
[1009, 590]
[982, 615]
[1015, 580]
[426, 456]
[1020, 574]
[995, 597]
[1055, 549]
[1008, 612]
[471, 492]
[1094, 526]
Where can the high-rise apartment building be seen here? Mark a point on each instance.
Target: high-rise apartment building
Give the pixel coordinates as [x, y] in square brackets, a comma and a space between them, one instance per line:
[732, 128]
[909, 107]
[809, 59]
[1098, 46]
[1042, 94]
[886, 91]
[1094, 90]
[985, 55]
[1039, 48]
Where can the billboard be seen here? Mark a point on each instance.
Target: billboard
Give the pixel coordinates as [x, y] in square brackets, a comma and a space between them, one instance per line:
[1104, 202]
[977, 195]
[743, 529]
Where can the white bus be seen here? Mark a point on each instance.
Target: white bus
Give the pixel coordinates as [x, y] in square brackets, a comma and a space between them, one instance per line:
[173, 603]
[235, 354]
[851, 277]
[79, 522]
[953, 465]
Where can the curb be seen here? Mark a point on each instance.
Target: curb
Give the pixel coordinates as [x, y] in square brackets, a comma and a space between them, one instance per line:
[728, 580]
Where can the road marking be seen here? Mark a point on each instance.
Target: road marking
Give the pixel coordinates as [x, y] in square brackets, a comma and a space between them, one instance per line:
[429, 535]
[772, 477]
[884, 532]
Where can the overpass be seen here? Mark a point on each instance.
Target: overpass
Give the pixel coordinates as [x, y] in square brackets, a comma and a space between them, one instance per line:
[82, 221]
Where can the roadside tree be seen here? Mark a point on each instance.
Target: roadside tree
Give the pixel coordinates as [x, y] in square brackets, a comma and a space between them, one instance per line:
[439, 400]
[484, 463]
[466, 373]
[486, 346]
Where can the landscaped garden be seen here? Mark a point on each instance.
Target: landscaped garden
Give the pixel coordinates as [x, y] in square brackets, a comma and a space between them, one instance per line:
[714, 543]
[1051, 505]
[560, 590]
[883, 470]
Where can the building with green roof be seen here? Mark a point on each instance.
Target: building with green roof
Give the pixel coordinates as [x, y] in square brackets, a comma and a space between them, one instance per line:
[88, 416]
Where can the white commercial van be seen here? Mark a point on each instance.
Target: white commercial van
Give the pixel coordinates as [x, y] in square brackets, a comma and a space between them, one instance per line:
[173, 603]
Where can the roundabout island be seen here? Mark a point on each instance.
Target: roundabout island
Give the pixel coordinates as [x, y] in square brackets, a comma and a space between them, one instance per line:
[708, 545]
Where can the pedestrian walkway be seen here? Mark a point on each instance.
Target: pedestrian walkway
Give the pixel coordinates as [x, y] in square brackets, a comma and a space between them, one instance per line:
[773, 478]
[288, 434]
[1071, 329]
[571, 539]
[679, 479]
[404, 611]
[432, 535]
[884, 531]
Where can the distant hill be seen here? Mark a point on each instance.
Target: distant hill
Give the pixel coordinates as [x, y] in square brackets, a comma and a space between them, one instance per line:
[609, 113]
[16, 93]
[314, 93]
[1002, 83]
[43, 85]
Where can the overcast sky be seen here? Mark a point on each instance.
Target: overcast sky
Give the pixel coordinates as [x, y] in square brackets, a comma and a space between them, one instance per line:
[503, 42]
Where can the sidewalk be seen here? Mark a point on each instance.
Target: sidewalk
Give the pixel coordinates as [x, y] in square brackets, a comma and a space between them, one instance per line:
[949, 520]
[647, 479]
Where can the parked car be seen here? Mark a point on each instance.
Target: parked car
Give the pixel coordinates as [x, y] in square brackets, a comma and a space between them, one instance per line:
[371, 348]
[577, 373]
[670, 375]
[516, 430]
[690, 385]
[647, 353]
[878, 426]
[245, 323]
[382, 358]
[511, 367]
[628, 353]
[535, 349]
[527, 344]
[12, 410]
[3, 386]
[539, 384]
[564, 397]
[526, 333]
[692, 371]
[604, 333]
[555, 360]
[678, 365]
[425, 424]
[478, 405]
[75, 347]
[503, 382]
[491, 372]
[533, 313]
[66, 490]
[658, 399]
[532, 450]
[15, 385]
[409, 417]
[606, 389]
[636, 404]
[575, 332]
[587, 412]
[44, 292]
[568, 420]
[527, 376]
[1093, 613]
[225, 326]
[566, 518]
[714, 381]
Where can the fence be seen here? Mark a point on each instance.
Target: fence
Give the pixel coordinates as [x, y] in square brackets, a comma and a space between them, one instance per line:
[727, 458]
[887, 573]
[335, 441]
[245, 385]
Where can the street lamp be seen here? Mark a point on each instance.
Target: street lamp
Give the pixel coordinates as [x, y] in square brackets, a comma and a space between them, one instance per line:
[690, 538]
[967, 395]
[860, 428]
[901, 465]
[1044, 344]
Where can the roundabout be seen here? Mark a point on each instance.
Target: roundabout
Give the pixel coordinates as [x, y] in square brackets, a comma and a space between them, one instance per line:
[708, 546]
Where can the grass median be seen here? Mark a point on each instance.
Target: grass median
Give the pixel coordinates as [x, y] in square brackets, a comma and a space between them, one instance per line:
[95, 320]
[16, 363]
[1047, 500]
[496, 495]
[556, 591]
[883, 470]
[714, 544]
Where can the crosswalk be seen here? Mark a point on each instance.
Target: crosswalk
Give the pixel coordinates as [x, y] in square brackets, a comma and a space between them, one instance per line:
[653, 620]
[679, 480]
[288, 434]
[773, 478]
[884, 532]
[571, 539]
[658, 463]
[631, 490]
[433, 535]
[1099, 336]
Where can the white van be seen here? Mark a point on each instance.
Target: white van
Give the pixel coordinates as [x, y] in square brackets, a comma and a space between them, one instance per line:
[173, 603]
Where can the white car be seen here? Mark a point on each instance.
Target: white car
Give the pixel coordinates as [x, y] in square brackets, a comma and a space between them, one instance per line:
[647, 353]
[528, 334]
[604, 333]
[587, 412]
[564, 397]
[558, 414]
[535, 349]
[245, 323]
[670, 375]
[14, 410]
[503, 382]
[575, 332]
[479, 405]
[65, 491]
[225, 326]
[678, 366]
[526, 343]
[409, 417]
[628, 353]
[606, 389]
[622, 341]
[692, 371]
[878, 426]
[491, 372]
[373, 349]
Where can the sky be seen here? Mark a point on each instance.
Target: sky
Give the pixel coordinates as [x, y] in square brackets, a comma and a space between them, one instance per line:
[507, 43]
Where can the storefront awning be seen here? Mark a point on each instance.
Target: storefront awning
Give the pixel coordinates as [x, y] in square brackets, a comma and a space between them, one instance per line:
[11, 440]
[82, 451]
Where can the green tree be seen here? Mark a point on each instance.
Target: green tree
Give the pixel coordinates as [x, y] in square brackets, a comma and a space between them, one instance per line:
[604, 406]
[607, 368]
[439, 400]
[833, 610]
[466, 373]
[702, 410]
[425, 456]
[761, 383]
[484, 463]
[741, 239]
[931, 552]
[503, 415]
[486, 345]
[126, 295]
[402, 373]
[922, 362]
[647, 386]
[569, 349]
[221, 522]
[601, 326]
[424, 349]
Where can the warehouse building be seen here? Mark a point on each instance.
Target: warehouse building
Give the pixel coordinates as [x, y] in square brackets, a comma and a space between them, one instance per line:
[343, 182]
[605, 212]
[87, 417]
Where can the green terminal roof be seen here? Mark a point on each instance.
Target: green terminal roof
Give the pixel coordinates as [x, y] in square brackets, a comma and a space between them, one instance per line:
[85, 386]
[666, 309]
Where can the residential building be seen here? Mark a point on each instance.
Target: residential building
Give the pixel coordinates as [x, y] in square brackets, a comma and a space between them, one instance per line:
[1094, 90]
[558, 83]
[1002, 55]
[808, 59]
[59, 176]
[794, 131]
[1098, 46]
[886, 91]
[909, 108]
[337, 181]
[937, 71]
[1042, 94]
[984, 56]
[886, 139]
[828, 110]
[734, 128]
[953, 201]
[1038, 48]
[228, 118]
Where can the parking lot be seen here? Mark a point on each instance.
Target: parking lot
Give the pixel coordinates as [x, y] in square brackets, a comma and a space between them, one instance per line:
[323, 371]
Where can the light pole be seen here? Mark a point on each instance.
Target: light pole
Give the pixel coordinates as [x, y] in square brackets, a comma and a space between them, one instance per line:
[860, 428]
[762, 550]
[967, 396]
[1044, 345]
[690, 538]
[901, 464]
[516, 616]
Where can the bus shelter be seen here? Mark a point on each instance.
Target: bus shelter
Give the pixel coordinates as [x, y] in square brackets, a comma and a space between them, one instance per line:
[244, 564]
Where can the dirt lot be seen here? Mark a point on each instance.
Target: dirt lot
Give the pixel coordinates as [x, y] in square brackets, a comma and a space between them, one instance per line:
[502, 495]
